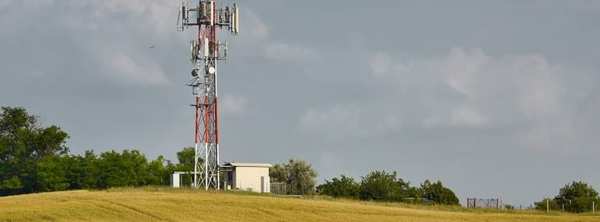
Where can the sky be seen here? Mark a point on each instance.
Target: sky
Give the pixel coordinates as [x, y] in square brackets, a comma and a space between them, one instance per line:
[497, 99]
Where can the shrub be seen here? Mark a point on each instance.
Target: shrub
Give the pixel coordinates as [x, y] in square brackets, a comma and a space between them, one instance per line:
[340, 187]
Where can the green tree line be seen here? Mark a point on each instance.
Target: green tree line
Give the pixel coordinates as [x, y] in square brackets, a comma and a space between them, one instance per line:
[35, 159]
[299, 178]
[387, 186]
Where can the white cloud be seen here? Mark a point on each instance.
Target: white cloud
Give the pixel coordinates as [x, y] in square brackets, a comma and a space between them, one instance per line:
[461, 69]
[127, 68]
[155, 14]
[288, 53]
[524, 86]
[115, 35]
[462, 116]
[380, 64]
[231, 104]
[253, 27]
[335, 121]
[465, 88]
[257, 35]
[467, 116]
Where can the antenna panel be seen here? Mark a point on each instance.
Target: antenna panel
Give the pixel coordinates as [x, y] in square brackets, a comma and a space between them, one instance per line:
[195, 48]
[206, 51]
[212, 12]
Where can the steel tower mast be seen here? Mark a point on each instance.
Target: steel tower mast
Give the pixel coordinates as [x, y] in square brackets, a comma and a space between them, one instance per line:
[206, 51]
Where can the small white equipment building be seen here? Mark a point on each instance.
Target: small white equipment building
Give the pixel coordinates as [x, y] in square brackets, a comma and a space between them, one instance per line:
[252, 177]
[176, 178]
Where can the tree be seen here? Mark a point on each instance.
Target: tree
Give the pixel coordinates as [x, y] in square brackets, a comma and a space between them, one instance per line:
[36, 159]
[51, 174]
[297, 174]
[129, 168]
[437, 193]
[186, 159]
[340, 187]
[23, 145]
[278, 173]
[157, 172]
[577, 197]
[84, 171]
[112, 169]
[383, 186]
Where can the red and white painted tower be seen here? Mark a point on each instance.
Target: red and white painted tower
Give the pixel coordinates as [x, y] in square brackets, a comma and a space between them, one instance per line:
[206, 52]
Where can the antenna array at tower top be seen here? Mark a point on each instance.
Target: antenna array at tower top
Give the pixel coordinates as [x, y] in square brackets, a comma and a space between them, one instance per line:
[207, 13]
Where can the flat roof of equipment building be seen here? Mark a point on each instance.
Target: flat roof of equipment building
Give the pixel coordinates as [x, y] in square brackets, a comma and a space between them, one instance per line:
[249, 164]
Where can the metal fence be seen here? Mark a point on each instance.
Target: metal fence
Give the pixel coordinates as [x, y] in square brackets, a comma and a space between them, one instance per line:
[494, 203]
[279, 188]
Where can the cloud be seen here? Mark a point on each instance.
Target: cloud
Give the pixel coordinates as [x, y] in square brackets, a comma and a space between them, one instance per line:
[335, 121]
[256, 29]
[127, 68]
[157, 15]
[462, 89]
[93, 40]
[288, 53]
[467, 116]
[462, 67]
[456, 117]
[231, 104]
[525, 86]
[259, 36]
[380, 64]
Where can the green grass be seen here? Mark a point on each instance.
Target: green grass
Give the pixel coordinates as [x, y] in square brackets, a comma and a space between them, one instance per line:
[164, 204]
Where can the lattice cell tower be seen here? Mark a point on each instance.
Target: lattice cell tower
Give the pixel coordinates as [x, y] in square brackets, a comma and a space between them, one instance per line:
[206, 52]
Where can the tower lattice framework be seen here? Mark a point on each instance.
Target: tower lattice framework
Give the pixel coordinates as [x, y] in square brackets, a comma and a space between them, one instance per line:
[206, 52]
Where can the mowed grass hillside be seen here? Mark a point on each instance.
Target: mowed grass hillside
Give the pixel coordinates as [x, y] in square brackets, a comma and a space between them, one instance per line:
[160, 204]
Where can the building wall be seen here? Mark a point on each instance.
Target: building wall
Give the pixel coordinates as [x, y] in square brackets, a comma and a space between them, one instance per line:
[249, 179]
[175, 180]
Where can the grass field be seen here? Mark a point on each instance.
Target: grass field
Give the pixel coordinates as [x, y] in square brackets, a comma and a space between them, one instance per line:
[162, 204]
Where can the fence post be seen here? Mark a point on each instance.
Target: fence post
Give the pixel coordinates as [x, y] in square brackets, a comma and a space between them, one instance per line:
[593, 207]
[547, 205]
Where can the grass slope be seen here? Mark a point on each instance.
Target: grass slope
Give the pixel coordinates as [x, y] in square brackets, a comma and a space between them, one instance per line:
[161, 204]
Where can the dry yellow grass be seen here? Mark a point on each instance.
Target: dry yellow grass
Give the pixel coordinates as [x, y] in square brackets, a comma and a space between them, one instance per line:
[159, 204]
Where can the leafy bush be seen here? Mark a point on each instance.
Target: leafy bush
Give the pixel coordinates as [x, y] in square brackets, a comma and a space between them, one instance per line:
[386, 186]
[576, 197]
[340, 187]
[437, 193]
[382, 185]
[297, 174]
